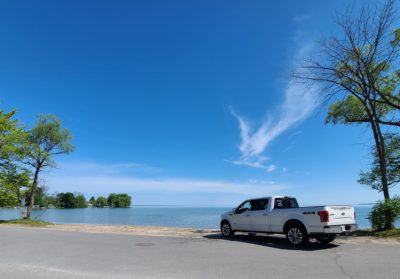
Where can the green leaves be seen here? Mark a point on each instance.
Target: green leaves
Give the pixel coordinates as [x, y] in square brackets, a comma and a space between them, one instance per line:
[396, 37]
[372, 177]
[119, 200]
[385, 213]
[46, 140]
[11, 135]
[12, 178]
[348, 111]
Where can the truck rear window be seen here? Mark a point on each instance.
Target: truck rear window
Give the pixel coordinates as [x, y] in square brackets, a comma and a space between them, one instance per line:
[285, 203]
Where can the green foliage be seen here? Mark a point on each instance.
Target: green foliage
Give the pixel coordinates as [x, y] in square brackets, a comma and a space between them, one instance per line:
[8, 197]
[385, 213]
[46, 140]
[40, 196]
[66, 200]
[26, 222]
[12, 178]
[372, 177]
[348, 111]
[92, 200]
[119, 200]
[11, 136]
[396, 38]
[101, 202]
[392, 233]
[70, 200]
[80, 201]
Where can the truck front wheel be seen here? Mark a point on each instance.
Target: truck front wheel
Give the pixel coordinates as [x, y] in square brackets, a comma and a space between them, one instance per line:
[226, 229]
[296, 234]
[325, 238]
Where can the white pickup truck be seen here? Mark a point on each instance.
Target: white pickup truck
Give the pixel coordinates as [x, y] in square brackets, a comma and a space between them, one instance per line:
[281, 214]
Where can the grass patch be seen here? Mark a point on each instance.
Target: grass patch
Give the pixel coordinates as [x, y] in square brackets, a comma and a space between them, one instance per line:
[393, 233]
[26, 222]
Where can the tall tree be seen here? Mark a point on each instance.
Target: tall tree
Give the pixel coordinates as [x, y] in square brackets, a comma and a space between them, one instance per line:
[357, 69]
[43, 142]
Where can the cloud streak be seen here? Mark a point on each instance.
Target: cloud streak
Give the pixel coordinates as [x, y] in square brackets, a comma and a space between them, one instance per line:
[93, 179]
[299, 102]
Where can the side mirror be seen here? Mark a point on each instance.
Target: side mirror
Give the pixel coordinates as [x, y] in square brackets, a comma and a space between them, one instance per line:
[234, 210]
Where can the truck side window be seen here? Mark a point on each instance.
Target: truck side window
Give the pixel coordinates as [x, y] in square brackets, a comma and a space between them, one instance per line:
[285, 203]
[260, 204]
[246, 206]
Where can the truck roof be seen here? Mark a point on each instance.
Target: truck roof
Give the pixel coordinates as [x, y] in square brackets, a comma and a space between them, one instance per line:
[274, 197]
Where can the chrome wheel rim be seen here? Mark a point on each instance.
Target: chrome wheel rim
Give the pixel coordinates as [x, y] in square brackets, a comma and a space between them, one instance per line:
[226, 230]
[295, 236]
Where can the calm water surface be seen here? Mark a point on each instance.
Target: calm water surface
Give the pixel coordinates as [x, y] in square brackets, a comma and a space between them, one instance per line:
[191, 217]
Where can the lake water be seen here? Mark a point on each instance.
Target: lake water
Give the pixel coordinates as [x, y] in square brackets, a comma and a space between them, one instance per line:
[185, 217]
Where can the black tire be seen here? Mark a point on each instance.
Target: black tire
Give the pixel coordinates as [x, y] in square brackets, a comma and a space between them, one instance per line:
[226, 229]
[297, 234]
[326, 238]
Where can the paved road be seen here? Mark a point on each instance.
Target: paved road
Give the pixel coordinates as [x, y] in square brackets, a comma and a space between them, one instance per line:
[42, 253]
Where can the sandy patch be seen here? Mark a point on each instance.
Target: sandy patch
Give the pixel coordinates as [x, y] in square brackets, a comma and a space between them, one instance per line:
[124, 229]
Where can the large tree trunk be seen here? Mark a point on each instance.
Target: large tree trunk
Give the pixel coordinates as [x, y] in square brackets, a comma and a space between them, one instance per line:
[381, 150]
[33, 189]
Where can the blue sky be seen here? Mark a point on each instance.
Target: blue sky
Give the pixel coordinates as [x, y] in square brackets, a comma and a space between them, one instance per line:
[181, 102]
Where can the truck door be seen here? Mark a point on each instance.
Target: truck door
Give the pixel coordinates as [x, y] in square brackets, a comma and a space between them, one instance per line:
[241, 220]
[260, 215]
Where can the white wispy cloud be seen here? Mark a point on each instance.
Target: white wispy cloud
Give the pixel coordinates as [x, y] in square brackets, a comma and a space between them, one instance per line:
[114, 168]
[299, 102]
[69, 177]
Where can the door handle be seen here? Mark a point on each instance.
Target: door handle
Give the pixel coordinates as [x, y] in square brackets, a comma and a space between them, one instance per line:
[247, 215]
[265, 214]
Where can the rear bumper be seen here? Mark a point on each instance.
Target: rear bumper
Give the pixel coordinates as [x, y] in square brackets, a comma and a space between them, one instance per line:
[340, 229]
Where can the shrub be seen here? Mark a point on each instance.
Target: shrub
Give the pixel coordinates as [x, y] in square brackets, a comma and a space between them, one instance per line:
[385, 213]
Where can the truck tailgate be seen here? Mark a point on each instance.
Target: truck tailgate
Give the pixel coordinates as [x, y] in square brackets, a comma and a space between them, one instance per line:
[341, 215]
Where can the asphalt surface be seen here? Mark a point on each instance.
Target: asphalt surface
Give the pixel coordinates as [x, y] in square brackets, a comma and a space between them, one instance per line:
[43, 253]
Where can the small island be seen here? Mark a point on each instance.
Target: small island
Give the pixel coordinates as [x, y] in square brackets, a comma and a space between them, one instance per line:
[78, 200]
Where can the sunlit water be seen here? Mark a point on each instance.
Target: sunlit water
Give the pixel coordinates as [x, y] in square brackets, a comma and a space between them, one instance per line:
[190, 217]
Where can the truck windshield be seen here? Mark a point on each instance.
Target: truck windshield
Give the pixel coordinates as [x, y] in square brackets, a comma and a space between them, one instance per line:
[285, 203]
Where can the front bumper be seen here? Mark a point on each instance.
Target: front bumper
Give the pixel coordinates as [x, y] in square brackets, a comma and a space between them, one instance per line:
[340, 229]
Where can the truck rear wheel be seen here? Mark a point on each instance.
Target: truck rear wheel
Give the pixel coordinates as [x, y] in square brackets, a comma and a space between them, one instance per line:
[325, 238]
[296, 234]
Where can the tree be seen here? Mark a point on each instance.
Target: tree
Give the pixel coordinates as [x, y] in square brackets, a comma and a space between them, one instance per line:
[372, 177]
[40, 196]
[358, 70]
[11, 135]
[101, 202]
[42, 143]
[92, 201]
[12, 178]
[66, 200]
[119, 200]
[80, 201]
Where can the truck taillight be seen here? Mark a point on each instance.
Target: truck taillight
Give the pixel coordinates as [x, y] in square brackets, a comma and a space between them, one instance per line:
[324, 216]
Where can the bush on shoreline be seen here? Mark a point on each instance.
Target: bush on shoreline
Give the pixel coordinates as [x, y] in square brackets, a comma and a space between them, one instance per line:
[385, 212]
